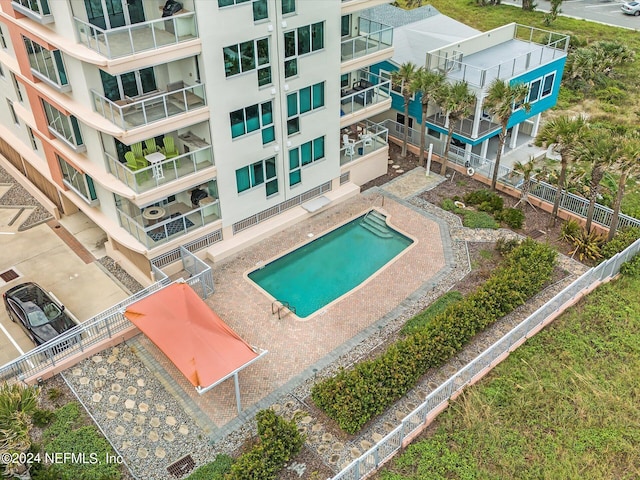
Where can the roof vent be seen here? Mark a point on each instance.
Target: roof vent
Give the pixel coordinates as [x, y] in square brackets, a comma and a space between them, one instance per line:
[181, 467]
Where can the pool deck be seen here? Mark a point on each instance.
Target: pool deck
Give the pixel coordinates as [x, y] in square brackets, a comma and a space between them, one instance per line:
[295, 345]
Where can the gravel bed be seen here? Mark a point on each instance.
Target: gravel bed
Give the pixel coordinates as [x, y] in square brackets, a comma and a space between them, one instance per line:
[140, 418]
[17, 196]
[120, 274]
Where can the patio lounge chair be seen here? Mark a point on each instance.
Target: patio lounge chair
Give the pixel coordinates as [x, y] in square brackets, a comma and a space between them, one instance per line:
[137, 150]
[134, 165]
[170, 150]
[150, 143]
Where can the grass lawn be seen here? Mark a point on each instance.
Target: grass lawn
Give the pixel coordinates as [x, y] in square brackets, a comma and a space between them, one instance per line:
[565, 405]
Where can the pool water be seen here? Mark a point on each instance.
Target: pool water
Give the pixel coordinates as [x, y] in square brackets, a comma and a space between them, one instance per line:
[317, 273]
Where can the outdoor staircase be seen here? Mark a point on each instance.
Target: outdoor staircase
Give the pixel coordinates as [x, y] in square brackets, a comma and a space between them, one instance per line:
[376, 223]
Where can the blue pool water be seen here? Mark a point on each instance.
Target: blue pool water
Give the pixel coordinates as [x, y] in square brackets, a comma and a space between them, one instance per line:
[317, 273]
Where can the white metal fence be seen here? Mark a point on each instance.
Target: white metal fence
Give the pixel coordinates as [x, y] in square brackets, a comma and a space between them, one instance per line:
[371, 460]
[483, 166]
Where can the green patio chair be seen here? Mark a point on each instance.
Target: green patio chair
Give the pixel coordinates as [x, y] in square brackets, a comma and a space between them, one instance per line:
[151, 145]
[134, 165]
[137, 150]
[170, 150]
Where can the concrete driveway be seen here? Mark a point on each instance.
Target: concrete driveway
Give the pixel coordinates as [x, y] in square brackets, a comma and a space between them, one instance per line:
[52, 259]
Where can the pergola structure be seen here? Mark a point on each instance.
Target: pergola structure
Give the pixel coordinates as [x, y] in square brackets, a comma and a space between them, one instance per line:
[204, 348]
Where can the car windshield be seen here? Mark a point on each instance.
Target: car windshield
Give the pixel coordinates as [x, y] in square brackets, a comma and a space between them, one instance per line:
[38, 317]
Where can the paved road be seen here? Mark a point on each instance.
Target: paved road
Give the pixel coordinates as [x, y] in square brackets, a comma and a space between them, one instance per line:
[605, 11]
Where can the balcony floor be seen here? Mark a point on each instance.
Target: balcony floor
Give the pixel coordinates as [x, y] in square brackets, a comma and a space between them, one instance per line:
[142, 37]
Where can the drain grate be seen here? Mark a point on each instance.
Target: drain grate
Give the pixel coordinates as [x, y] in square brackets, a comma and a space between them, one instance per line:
[9, 275]
[181, 467]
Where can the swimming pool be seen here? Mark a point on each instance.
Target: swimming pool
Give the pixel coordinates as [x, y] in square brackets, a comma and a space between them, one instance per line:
[320, 271]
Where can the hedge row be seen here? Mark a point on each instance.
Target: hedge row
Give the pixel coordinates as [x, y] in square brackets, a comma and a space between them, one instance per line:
[355, 396]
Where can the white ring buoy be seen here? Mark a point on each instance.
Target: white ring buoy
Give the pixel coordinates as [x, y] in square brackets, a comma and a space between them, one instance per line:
[470, 171]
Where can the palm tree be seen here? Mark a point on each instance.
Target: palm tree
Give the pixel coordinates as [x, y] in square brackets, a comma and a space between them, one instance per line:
[17, 405]
[427, 83]
[628, 164]
[526, 170]
[455, 99]
[565, 134]
[501, 99]
[600, 150]
[403, 78]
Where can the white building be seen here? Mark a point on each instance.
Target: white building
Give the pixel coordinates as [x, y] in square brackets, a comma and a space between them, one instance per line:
[208, 127]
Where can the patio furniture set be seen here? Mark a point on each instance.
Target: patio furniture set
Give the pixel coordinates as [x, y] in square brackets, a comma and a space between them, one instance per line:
[139, 157]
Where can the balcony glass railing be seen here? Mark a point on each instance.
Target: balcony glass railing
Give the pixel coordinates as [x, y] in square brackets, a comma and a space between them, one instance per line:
[465, 126]
[170, 227]
[150, 107]
[37, 10]
[373, 37]
[364, 93]
[161, 173]
[137, 37]
[361, 139]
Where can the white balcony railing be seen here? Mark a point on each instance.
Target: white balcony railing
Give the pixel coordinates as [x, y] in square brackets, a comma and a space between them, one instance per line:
[138, 37]
[373, 37]
[150, 107]
[146, 179]
[364, 138]
[365, 92]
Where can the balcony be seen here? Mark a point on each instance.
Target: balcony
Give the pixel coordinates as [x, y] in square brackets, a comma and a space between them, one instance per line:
[361, 139]
[373, 37]
[150, 107]
[156, 225]
[37, 10]
[366, 91]
[138, 37]
[465, 126]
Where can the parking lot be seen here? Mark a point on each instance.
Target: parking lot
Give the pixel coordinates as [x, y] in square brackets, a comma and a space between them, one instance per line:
[49, 255]
[604, 11]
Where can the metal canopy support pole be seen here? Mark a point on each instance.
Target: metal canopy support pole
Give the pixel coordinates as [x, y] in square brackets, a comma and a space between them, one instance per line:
[237, 385]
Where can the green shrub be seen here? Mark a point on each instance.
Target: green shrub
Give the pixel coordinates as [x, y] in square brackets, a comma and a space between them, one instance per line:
[473, 219]
[215, 470]
[486, 200]
[586, 245]
[42, 418]
[569, 230]
[512, 217]
[632, 267]
[504, 247]
[621, 240]
[355, 396]
[448, 205]
[420, 320]
[279, 440]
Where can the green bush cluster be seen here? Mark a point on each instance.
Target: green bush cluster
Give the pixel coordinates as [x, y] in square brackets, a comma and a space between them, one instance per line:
[216, 470]
[473, 219]
[68, 434]
[632, 267]
[485, 200]
[513, 217]
[490, 210]
[355, 396]
[621, 240]
[279, 440]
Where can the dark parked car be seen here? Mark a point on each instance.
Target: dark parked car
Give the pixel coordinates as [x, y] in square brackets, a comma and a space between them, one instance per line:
[38, 314]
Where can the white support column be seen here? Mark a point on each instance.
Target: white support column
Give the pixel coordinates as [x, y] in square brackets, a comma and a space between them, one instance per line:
[514, 136]
[467, 152]
[484, 148]
[237, 385]
[536, 125]
[477, 118]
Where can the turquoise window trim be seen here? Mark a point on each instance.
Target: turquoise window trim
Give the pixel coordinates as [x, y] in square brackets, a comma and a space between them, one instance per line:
[303, 155]
[256, 174]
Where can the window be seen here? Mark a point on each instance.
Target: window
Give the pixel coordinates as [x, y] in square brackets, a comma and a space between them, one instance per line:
[228, 3]
[14, 116]
[248, 56]
[256, 174]
[39, 7]
[77, 181]
[400, 120]
[288, 6]
[46, 65]
[345, 26]
[534, 90]
[32, 139]
[253, 118]
[547, 86]
[303, 101]
[130, 84]
[3, 41]
[260, 10]
[301, 41]
[16, 86]
[305, 154]
[66, 128]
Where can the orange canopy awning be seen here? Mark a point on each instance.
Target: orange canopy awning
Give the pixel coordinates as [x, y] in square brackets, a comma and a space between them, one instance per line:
[204, 348]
